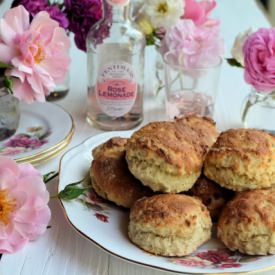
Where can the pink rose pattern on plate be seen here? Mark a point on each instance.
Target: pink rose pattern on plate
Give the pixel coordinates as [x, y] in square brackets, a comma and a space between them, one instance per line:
[34, 138]
[97, 205]
[215, 258]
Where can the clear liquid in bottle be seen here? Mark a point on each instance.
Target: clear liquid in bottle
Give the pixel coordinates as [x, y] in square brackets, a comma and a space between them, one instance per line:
[115, 70]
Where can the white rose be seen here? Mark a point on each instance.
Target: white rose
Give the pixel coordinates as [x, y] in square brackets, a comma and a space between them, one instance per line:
[237, 50]
[163, 13]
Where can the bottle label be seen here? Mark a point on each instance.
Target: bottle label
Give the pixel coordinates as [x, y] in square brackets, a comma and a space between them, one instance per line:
[116, 88]
[118, 2]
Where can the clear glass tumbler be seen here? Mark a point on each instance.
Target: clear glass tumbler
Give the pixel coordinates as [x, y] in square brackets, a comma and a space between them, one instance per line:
[191, 91]
[9, 114]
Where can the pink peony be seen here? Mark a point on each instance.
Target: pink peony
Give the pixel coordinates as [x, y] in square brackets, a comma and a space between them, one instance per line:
[198, 11]
[193, 46]
[24, 211]
[38, 52]
[259, 60]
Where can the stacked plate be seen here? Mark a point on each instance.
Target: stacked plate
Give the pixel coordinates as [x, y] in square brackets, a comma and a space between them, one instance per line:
[45, 130]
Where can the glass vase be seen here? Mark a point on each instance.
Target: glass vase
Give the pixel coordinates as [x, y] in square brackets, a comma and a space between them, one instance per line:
[258, 111]
[9, 114]
[61, 89]
[191, 91]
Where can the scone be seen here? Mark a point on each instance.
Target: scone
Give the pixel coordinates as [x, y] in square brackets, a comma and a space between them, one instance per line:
[169, 224]
[242, 159]
[247, 223]
[111, 178]
[168, 156]
[213, 196]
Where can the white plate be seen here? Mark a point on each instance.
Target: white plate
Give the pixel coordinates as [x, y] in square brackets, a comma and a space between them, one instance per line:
[43, 128]
[106, 225]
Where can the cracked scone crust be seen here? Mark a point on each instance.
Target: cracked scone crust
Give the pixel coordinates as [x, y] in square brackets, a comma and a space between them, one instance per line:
[168, 156]
[247, 223]
[169, 224]
[242, 159]
[111, 178]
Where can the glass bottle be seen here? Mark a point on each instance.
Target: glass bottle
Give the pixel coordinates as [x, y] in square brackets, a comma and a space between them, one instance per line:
[115, 69]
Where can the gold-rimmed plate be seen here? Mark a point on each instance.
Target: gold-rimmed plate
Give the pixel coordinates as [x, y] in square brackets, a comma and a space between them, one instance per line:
[45, 129]
[106, 225]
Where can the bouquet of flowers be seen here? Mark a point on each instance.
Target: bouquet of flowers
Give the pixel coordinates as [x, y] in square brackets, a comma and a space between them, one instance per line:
[183, 28]
[254, 51]
[157, 17]
[73, 15]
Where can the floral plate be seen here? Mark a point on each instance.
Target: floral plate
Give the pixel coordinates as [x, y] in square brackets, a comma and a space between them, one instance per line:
[45, 129]
[106, 225]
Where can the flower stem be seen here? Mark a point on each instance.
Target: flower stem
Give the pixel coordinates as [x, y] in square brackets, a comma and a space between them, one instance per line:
[245, 111]
[252, 100]
[49, 176]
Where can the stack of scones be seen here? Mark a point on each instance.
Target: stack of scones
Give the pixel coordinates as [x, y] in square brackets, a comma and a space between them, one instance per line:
[178, 177]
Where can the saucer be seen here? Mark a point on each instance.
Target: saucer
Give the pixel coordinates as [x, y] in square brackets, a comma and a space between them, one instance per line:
[45, 130]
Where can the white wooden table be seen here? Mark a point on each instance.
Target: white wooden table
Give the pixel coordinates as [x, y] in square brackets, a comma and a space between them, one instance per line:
[61, 250]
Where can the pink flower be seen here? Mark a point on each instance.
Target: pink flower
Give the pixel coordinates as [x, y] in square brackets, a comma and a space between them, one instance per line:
[198, 11]
[259, 60]
[193, 46]
[24, 211]
[216, 256]
[102, 217]
[192, 262]
[38, 53]
[25, 141]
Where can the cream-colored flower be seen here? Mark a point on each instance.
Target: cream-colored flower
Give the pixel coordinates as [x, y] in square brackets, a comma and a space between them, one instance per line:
[237, 49]
[145, 26]
[164, 13]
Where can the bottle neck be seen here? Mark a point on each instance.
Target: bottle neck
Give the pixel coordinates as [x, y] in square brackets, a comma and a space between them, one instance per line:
[115, 13]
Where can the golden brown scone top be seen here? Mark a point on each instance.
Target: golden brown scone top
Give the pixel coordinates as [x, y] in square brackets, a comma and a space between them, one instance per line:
[247, 223]
[111, 177]
[246, 141]
[205, 128]
[251, 207]
[181, 142]
[170, 209]
[242, 159]
[113, 147]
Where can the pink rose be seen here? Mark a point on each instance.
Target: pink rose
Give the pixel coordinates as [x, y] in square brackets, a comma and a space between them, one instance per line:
[198, 11]
[24, 205]
[38, 52]
[259, 60]
[193, 46]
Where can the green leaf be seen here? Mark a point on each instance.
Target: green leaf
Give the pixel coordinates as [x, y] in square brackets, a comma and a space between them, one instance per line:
[76, 183]
[8, 83]
[150, 40]
[49, 176]
[4, 65]
[233, 62]
[71, 193]
[159, 89]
